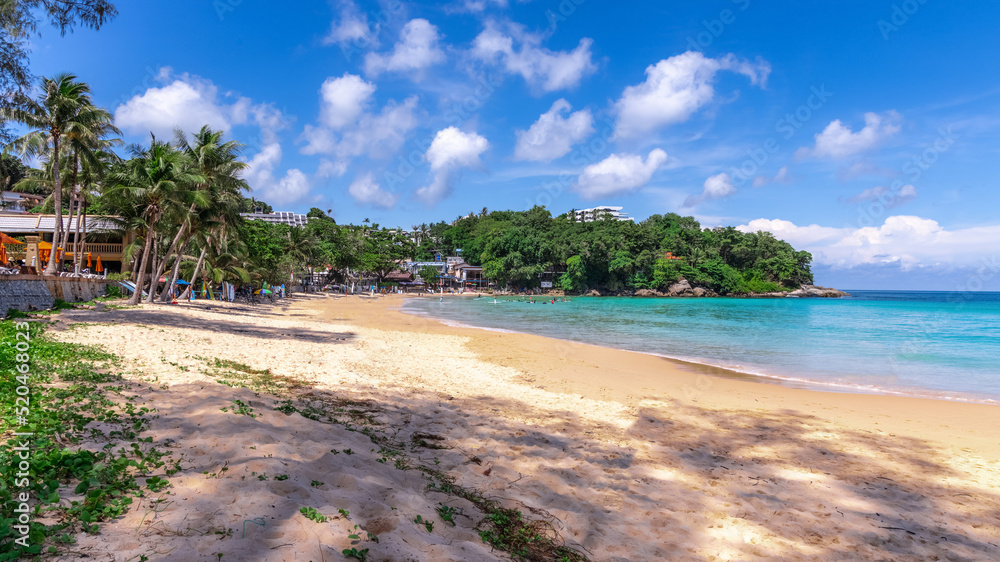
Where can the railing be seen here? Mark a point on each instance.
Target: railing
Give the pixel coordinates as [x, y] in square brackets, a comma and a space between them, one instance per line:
[15, 251]
[102, 248]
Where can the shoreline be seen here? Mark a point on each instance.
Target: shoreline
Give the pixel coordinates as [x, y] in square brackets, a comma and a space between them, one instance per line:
[704, 367]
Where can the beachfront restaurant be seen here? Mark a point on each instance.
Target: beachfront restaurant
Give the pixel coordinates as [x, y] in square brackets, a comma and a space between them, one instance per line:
[102, 240]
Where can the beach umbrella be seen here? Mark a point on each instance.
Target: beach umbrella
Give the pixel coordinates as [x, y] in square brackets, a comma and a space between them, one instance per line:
[88, 260]
[3, 254]
[4, 239]
[99, 267]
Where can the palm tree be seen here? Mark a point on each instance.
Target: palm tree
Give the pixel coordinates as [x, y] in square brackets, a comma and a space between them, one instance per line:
[63, 111]
[155, 182]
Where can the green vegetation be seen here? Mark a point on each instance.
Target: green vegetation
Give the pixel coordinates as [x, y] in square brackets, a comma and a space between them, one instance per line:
[514, 248]
[313, 515]
[70, 386]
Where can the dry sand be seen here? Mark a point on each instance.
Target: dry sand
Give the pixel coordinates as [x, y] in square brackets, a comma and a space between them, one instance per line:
[631, 457]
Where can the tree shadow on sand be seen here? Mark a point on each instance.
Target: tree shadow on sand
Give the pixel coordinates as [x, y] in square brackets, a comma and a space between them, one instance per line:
[680, 482]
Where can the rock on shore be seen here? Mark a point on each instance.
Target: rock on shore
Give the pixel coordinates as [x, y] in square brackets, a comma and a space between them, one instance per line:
[817, 291]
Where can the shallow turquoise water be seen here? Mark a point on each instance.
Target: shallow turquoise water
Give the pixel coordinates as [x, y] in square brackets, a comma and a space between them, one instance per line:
[939, 344]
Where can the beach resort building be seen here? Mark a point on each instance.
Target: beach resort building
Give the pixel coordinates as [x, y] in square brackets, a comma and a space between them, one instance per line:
[102, 240]
[599, 213]
[14, 202]
[280, 217]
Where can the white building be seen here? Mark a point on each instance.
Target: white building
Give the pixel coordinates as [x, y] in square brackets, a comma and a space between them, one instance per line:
[599, 213]
[282, 217]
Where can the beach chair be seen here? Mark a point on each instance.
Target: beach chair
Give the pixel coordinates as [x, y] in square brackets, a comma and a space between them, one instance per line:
[130, 287]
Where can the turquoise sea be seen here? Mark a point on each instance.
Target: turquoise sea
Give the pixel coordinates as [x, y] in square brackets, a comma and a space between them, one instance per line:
[937, 344]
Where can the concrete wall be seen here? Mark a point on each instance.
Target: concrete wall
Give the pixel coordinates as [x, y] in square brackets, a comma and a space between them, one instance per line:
[35, 292]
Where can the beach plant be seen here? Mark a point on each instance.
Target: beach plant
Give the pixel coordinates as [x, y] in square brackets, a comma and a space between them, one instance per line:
[427, 523]
[346, 514]
[316, 483]
[447, 513]
[356, 554]
[313, 515]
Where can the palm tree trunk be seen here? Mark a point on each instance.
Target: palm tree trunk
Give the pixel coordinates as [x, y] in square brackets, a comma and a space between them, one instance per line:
[154, 281]
[64, 239]
[83, 239]
[141, 279]
[76, 235]
[172, 282]
[194, 276]
[50, 269]
[166, 258]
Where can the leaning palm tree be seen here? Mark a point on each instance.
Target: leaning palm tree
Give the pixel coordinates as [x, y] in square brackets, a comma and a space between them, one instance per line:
[63, 110]
[216, 161]
[155, 182]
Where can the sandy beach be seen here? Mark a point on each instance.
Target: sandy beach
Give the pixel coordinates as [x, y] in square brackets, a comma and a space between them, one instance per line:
[626, 456]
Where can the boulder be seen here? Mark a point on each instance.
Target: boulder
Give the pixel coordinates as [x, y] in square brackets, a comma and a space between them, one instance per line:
[679, 287]
[699, 291]
[648, 293]
[817, 291]
[593, 293]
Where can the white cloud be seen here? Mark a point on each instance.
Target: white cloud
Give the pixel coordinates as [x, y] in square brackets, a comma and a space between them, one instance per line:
[416, 51]
[715, 187]
[540, 67]
[475, 6]
[343, 100]
[366, 191]
[618, 173]
[780, 177]
[553, 135]
[188, 102]
[292, 187]
[838, 141]
[450, 151]
[675, 88]
[352, 28]
[347, 129]
[902, 241]
[885, 196]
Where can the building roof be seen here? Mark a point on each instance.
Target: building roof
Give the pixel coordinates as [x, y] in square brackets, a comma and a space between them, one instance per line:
[283, 217]
[29, 224]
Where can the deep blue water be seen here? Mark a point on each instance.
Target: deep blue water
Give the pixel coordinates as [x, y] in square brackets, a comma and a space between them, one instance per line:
[938, 344]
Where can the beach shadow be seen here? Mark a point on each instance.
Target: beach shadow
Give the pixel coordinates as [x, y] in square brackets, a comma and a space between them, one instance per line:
[218, 321]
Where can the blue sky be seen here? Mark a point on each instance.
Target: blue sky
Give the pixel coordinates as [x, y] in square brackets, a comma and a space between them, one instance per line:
[865, 132]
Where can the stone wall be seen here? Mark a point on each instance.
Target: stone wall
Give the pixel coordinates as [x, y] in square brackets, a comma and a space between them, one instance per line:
[35, 292]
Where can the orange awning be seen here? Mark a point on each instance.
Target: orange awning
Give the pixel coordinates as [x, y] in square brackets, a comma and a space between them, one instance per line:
[4, 239]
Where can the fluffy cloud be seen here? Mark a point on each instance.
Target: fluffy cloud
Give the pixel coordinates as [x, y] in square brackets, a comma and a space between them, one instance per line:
[187, 102]
[347, 129]
[540, 67]
[352, 28]
[476, 6]
[838, 141]
[780, 177]
[902, 241]
[553, 135]
[343, 100]
[618, 173]
[292, 187]
[675, 88]
[886, 196]
[366, 191]
[416, 51]
[450, 151]
[715, 187]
